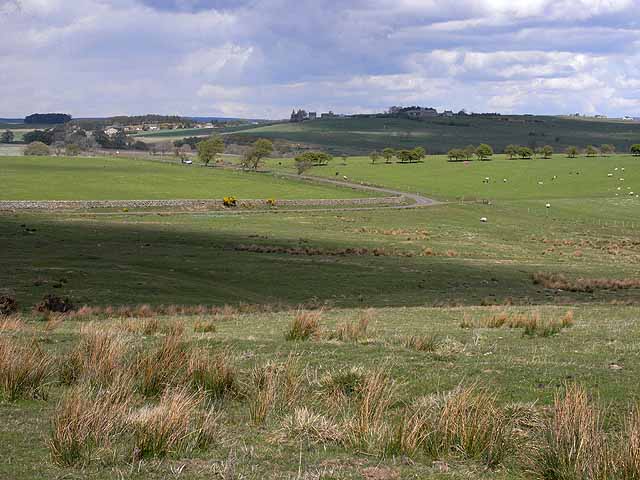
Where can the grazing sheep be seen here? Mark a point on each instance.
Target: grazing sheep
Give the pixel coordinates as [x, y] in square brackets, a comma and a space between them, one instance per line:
[610, 175]
[484, 220]
[548, 205]
[540, 183]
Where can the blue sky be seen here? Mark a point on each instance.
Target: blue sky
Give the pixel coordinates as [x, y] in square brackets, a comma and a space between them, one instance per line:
[261, 58]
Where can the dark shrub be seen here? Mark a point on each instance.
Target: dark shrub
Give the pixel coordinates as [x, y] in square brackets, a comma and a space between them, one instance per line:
[53, 303]
[8, 304]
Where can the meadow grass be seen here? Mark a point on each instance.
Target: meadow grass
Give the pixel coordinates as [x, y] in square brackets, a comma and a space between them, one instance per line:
[113, 178]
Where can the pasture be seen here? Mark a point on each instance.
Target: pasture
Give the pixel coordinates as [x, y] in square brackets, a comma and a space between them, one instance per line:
[111, 178]
[323, 343]
[538, 179]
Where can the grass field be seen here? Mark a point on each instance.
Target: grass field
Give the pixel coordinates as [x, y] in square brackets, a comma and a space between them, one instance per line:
[63, 178]
[438, 135]
[425, 350]
[574, 178]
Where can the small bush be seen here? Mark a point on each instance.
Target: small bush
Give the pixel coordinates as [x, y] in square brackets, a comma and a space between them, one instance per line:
[37, 149]
[230, 201]
[24, 371]
[305, 325]
[54, 303]
[8, 305]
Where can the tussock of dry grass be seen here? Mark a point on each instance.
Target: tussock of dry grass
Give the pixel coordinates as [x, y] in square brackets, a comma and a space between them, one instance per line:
[421, 343]
[204, 326]
[99, 354]
[164, 365]
[178, 424]
[214, 374]
[558, 281]
[305, 325]
[533, 323]
[629, 452]
[466, 421]
[11, 323]
[24, 370]
[369, 428]
[574, 445]
[355, 330]
[87, 419]
[340, 385]
[263, 392]
[305, 425]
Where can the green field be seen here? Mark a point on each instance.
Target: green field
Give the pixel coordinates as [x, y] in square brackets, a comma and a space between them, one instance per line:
[438, 134]
[63, 178]
[575, 178]
[413, 293]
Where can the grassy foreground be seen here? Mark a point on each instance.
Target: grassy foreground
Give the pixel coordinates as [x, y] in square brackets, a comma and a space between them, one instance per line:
[224, 394]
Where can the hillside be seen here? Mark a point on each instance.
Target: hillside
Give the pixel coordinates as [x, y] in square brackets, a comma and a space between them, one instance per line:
[360, 135]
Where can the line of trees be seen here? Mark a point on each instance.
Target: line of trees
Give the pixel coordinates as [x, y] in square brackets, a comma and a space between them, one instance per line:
[482, 152]
[47, 118]
[414, 155]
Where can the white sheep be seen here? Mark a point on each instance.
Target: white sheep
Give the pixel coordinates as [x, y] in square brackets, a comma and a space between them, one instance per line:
[548, 205]
[484, 220]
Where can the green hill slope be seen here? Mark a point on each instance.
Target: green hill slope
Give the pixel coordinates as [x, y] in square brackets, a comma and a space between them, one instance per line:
[360, 135]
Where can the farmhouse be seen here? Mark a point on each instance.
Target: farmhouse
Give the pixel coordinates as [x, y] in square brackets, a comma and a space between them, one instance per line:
[111, 131]
[418, 113]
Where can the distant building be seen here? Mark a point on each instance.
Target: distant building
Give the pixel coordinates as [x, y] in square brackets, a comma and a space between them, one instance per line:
[313, 115]
[111, 131]
[330, 114]
[419, 113]
[448, 113]
[299, 116]
[395, 110]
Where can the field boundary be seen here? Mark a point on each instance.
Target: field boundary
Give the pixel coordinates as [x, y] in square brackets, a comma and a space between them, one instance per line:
[203, 204]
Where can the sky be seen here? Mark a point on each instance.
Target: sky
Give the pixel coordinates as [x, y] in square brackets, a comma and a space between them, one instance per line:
[262, 58]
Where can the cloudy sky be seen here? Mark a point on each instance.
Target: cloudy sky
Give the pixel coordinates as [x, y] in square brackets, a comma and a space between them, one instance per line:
[261, 58]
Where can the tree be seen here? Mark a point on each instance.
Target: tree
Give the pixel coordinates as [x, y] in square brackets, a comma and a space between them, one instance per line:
[260, 149]
[72, 150]
[302, 165]
[547, 151]
[405, 156]
[607, 149]
[388, 154]
[7, 137]
[315, 159]
[44, 136]
[572, 152]
[635, 150]
[374, 156]
[469, 152]
[525, 153]
[456, 155]
[209, 149]
[484, 151]
[419, 153]
[183, 152]
[37, 149]
[511, 150]
[591, 151]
